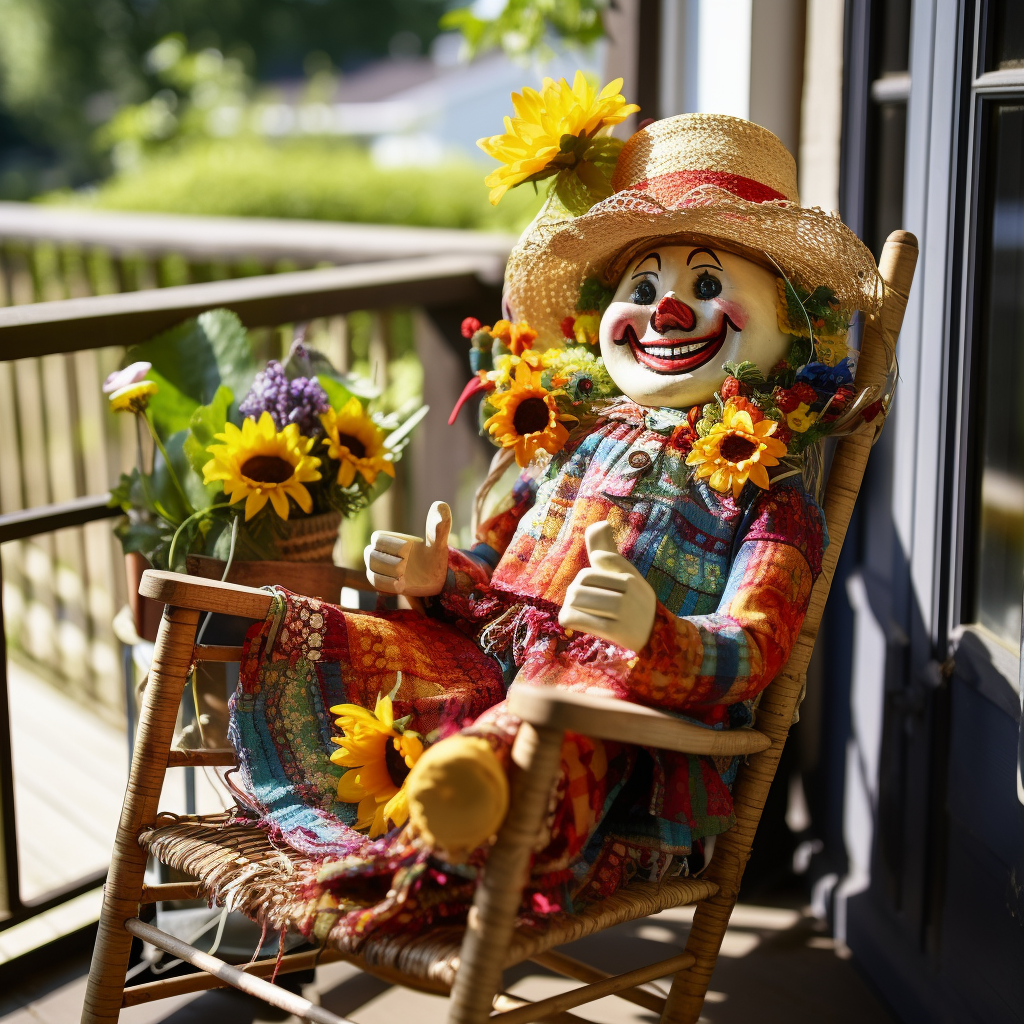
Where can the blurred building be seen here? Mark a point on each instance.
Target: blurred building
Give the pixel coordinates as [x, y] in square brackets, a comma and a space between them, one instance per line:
[410, 109]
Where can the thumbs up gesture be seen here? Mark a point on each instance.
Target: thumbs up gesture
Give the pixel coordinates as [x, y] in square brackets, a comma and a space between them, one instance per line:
[397, 563]
[611, 599]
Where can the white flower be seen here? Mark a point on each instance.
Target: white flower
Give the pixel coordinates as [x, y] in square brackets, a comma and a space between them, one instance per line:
[129, 375]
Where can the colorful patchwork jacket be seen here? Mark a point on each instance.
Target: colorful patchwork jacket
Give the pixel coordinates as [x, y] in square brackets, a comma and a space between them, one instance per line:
[733, 580]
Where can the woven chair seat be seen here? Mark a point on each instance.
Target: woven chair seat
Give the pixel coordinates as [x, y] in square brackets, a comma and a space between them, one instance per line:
[238, 865]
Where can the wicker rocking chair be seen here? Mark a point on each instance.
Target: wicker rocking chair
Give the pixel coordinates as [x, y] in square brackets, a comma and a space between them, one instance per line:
[467, 962]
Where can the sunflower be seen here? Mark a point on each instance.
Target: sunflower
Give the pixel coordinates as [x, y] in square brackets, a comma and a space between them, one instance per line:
[260, 463]
[356, 442]
[736, 449]
[531, 148]
[133, 397]
[378, 758]
[527, 417]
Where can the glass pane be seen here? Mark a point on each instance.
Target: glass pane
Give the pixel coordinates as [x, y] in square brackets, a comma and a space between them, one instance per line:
[999, 580]
[893, 46]
[885, 208]
[1005, 34]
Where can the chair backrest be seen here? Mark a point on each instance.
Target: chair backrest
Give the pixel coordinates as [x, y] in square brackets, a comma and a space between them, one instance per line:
[781, 698]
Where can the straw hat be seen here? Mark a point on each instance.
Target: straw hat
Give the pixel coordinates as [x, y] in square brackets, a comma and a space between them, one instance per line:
[701, 178]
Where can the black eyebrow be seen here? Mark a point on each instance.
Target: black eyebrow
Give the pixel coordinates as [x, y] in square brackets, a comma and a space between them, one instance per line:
[649, 256]
[708, 251]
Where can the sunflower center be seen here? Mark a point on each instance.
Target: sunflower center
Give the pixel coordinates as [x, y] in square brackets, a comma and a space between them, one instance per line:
[267, 469]
[353, 444]
[530, 416]
[395, 763]
[736, 448]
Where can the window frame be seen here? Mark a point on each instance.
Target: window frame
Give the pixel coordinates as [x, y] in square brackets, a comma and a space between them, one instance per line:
[987, 89]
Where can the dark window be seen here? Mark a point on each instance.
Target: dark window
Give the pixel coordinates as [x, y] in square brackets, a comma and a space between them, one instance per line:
[893, 44]
[885, 213]
[887, 122]
[999, 571]
[1005, 35]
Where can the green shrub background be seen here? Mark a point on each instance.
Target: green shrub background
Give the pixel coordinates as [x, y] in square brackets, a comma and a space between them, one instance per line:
[311, 179]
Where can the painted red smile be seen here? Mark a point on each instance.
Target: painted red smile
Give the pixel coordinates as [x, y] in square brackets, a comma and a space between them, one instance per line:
[676, 355]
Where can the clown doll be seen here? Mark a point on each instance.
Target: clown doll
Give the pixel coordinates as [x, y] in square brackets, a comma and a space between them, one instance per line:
[673, 356]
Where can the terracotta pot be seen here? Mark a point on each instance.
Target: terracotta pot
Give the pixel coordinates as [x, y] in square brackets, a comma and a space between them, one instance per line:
[310, 538]
[145, 610]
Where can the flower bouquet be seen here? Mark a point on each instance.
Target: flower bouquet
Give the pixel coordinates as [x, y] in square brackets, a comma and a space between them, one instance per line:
[246, 462]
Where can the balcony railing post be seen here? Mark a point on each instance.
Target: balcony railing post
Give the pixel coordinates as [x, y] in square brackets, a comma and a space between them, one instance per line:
[10, 898]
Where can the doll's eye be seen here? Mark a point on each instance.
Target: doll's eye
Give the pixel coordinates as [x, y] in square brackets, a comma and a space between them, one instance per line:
[644, 293]
[707, 287]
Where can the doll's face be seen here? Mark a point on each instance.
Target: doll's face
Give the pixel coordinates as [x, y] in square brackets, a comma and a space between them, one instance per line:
[680, 312]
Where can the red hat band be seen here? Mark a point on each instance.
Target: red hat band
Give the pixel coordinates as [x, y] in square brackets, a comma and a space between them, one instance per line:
[672, 187]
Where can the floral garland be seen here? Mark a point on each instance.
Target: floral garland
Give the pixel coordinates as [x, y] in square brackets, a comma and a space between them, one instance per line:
[533, 397]
[536, 401]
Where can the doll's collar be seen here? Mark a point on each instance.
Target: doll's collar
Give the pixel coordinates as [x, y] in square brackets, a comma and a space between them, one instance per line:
[661, 421]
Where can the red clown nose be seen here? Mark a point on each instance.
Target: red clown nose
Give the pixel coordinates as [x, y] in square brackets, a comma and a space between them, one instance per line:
[673, 315]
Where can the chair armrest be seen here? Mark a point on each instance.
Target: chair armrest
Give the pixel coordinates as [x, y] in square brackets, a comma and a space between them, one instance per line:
[181, 591]
[609, 718]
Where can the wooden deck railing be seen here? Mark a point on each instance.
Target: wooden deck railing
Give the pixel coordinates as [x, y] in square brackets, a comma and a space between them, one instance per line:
[70, 286]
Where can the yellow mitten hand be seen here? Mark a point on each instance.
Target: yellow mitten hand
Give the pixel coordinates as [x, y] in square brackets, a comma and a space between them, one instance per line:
[458, 795]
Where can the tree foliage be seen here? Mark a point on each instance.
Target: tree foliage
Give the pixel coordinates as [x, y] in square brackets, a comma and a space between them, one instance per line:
[66, 66]
[523, 27]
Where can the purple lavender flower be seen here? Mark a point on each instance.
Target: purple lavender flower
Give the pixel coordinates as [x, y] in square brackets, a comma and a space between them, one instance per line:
[300, 400]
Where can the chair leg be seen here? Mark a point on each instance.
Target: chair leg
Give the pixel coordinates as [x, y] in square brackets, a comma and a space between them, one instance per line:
[537, 756]
[121, 894]
[732, 851]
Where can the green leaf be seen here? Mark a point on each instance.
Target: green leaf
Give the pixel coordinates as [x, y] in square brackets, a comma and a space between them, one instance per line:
[337, 393]
[151, 538]
[398, 439]
[205, 423]
[191, 361]
[745, 371]
[573, 193]
[604, 151]
[121, 495]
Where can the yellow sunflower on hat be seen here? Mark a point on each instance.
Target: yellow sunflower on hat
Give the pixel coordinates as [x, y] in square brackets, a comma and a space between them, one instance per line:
[736, 450]
[527, 417]
[378, 758]
[356, 443]
[260, 463]
[551, 130]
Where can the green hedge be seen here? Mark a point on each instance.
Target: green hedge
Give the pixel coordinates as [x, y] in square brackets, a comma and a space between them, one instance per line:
[308, 179]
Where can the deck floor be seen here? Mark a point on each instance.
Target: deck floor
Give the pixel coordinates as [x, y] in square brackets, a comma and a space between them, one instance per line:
[777, 967]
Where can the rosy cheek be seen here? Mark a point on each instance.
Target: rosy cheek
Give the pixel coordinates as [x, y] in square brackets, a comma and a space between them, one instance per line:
[734, 311]
[618, 319]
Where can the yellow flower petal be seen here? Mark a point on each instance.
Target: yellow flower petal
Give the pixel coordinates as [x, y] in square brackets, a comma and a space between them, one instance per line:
[532, 139]
[396, 810]
[350, 789]
[356, 443]
[366, 813]
[259, 463]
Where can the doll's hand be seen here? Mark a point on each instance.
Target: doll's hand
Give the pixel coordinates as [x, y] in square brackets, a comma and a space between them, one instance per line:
[611, 600]
[399, 564]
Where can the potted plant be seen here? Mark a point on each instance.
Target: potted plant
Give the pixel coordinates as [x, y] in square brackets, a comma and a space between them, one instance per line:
[247, 461]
